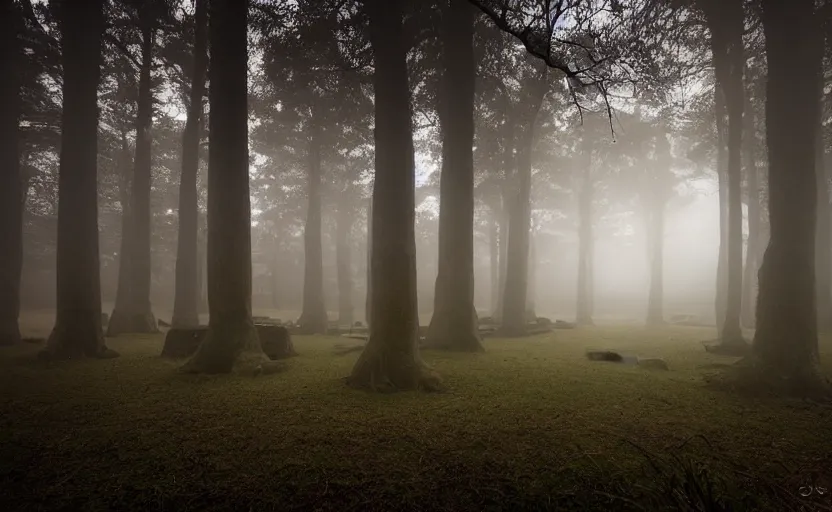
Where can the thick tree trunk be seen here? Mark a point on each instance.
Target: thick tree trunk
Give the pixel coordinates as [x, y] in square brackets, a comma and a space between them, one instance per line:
[391, 359]
[502, 258]
[343, 264]
[585, 249]
[786, 340]
[531, 279]
[119, 319]
[655, 241]
[274, 276]
[454, 322]
[823, 246]
[139, 318]
[721, 300]
[11, 218]
[231, 341]
[753, 247]
[313, 318]
[77, 330]
[186, 300]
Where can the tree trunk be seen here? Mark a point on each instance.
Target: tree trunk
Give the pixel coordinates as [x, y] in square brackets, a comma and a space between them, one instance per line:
[274, 275]
[655, 239]
[11, 218]
[391, 359]
[186, 299]
[139, 317]
[823, 246]
[77, 330]
[753, 247]
[502, 258]
[494, 261]
[786, 340]
[721, 300]
[313, 318]
[531, 289]
[119, 319]
[454, 322]
[585, 249]
[368, 302]
[517, 257]
[231, 341]
[343, 264]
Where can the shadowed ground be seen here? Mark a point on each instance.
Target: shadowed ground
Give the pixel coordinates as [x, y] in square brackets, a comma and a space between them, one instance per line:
[529, 424]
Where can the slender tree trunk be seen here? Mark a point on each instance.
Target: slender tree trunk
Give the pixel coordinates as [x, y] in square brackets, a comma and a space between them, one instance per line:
[343, 264]
[655, 239]
[368, 302]
[186, 300]
[139, 315]
[531, 290]
[823, 246]
[11, 218]
[313, 318]
[231, 341]
[77, 330]
[202, 262]
[494, 261]
[391, 359]
[454, 322]
[122, 305]
[753, 247]
[786, 340]
[502, 258]
[585, 252]
[274, 275]
[722, 183]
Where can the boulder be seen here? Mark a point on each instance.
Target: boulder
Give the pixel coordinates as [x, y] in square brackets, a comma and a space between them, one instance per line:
[561, 324]
[276, 341]
[183, 342]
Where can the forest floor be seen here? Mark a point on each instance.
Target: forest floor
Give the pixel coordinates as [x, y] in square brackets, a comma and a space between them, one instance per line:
[528, 425]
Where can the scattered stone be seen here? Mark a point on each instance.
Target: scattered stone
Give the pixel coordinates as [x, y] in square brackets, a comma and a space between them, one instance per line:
[604, 355]
[562, 324]
[276, 341]
[653, 363]
[542, 320]
[648, 363]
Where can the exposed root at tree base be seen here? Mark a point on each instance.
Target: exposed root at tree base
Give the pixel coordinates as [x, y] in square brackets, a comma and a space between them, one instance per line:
[750, 375]
[733, 347]
[384, 371]
[230, 349]
[124, 322]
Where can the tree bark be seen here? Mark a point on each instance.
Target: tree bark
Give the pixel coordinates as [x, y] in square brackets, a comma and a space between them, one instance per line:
[502, 258]
[494, 261]
[531, 289]
[517, 258]
[721, 300]
[823, 246]
[77, 330]
[368, 296]
[186, 298]
[11, 215]
[391, 359]
[313, 318]
[343, 264]
[786, 341]
[585, 243]
[754, 221]
[655, 239]
[231, 342]
[120, 315]
[454, 322]
[139, 316]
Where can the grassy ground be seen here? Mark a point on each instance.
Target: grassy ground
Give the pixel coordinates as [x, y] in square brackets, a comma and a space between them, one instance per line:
[528, 425]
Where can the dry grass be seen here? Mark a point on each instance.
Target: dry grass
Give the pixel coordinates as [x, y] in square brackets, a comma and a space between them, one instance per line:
[529, 424]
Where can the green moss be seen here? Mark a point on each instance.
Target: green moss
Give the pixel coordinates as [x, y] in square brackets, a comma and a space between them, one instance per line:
[528, 424]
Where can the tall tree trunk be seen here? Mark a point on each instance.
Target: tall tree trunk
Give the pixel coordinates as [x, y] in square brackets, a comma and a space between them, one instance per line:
[231, 341]
[823, 246]
[502, 259]
[368, 296]
[202, 262]
[517, 257]
[753, 247]
[11, 218]
[274, 275]
[655, 240]
[313, 318]
[122, 304]
[585, 249]
[343, 264]
[494, 261]
[454, 322]
[77, 330]
[139, 316]
[786, 340]
[186, 298]
[722, 185]
[531, 289]
[391, 359]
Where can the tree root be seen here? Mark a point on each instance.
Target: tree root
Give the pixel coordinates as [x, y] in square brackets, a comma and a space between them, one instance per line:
[384, 370]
